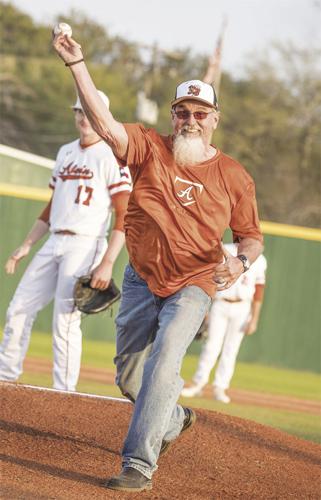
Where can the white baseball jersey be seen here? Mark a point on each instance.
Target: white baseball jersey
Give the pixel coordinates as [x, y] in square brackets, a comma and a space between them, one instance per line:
[244, 287]
[84, 181]
[227, 325]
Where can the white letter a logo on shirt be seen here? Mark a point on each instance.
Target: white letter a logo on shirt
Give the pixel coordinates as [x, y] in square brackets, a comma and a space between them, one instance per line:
[187, 194]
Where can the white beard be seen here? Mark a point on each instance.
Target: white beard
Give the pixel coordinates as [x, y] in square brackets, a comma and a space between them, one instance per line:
[188, 151]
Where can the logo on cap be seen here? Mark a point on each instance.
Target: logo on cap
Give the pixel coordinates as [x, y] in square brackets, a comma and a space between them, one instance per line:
[194, 90]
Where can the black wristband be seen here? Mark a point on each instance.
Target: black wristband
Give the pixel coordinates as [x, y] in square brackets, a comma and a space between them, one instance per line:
[245, 261]
[74, 62]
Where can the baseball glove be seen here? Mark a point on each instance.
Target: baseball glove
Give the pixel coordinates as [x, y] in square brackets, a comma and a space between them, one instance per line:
[91, 300]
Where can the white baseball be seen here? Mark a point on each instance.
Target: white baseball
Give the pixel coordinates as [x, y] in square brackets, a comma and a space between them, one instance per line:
[62, 28]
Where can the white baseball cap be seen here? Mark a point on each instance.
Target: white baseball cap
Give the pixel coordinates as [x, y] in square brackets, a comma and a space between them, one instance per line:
[196, 90]
[103, 97]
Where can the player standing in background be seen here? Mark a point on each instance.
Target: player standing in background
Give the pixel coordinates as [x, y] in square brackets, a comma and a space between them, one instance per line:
[235, 312]
[87, 184]
[186, 192]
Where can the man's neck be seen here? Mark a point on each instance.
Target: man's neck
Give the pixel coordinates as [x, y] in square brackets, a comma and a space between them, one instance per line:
[88, 140]
[210, 152]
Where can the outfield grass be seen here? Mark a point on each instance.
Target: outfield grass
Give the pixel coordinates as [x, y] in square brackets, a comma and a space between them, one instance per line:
[252, 377]
[268, 379]
[248, 376]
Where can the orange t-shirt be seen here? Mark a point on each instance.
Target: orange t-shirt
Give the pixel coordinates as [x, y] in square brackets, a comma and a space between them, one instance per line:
[177, 215]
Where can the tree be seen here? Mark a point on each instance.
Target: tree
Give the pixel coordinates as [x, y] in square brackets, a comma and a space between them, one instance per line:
[19, 34]
[270, 119]
[271, 123]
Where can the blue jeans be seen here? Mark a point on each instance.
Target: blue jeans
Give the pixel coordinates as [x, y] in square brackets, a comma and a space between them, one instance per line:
[153, 334]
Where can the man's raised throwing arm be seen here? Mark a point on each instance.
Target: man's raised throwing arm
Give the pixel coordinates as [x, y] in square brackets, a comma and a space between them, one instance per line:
[101, 119]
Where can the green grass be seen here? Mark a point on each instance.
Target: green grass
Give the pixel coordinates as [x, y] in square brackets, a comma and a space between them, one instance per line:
[248, 376]
[299, 424]
[96, 353]
[252, 377]
[84, 386]
[261, 378]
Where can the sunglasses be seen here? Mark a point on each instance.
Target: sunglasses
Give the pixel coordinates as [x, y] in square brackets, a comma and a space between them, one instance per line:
[185, 114]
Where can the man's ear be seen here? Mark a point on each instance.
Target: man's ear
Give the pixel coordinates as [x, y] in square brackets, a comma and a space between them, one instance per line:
[216, 118]
[172, 114]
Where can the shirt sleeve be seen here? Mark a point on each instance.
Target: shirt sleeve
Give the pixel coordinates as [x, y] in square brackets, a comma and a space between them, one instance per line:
[139, 147]
[45, 214]
[118, 178]
[259, 293]
[244, 218]
[53, 180]
[261, 270]
[55, 170]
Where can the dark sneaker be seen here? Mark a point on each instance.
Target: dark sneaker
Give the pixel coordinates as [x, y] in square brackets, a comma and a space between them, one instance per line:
[190, 419]
[129, 479]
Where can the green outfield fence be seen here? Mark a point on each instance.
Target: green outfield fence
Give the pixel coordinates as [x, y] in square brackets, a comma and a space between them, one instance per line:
[289, 329]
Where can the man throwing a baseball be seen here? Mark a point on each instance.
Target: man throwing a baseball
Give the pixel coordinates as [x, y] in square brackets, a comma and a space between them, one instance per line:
[186, 193]
[87, 184]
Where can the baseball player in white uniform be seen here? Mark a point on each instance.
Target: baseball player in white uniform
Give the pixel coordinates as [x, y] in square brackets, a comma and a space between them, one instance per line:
[235, 312]
[87, 185]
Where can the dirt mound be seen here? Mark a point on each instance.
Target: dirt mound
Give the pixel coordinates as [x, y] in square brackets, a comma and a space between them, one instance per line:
[64, 446]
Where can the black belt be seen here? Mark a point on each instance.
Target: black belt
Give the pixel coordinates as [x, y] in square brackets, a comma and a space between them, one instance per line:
[65, 231]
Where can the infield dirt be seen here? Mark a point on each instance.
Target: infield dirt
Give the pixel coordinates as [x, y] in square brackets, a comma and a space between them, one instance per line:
[64, 446]
[101, 375]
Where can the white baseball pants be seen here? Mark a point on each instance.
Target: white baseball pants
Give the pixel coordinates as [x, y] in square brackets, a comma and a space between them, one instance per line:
[226, 331]
[51, 275]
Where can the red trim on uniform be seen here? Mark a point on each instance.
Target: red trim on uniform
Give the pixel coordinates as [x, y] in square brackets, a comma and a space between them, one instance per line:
[259, 293]
[45, 214]
[120, 194]
[84, 146]
[51, 186]
[113, 186]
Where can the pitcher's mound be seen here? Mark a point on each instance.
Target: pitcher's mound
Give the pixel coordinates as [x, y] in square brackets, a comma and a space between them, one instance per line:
[64, 446]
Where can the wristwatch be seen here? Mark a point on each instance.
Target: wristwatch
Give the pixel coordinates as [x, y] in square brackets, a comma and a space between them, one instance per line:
[245, 261]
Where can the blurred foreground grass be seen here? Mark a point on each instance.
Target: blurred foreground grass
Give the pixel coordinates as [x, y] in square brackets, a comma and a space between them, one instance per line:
[250, 377]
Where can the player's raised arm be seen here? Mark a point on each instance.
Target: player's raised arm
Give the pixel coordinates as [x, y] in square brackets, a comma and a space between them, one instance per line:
[98, 114]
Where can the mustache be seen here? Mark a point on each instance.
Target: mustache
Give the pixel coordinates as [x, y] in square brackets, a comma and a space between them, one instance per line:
[188, 128]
